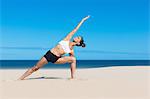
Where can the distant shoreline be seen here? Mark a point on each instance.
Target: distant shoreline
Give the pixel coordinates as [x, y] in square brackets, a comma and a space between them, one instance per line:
[22, 64]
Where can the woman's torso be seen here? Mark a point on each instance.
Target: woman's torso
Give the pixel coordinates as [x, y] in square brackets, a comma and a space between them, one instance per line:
[58, 50]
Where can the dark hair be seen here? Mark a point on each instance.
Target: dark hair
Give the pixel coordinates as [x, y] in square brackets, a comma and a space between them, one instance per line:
[81, 42]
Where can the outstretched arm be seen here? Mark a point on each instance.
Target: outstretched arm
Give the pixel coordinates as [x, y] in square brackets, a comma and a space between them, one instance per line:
[69, 36]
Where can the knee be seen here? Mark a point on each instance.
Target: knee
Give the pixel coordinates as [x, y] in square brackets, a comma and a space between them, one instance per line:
[73, 59]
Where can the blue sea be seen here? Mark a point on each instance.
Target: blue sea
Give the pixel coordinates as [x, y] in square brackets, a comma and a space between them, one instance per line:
[23, 64]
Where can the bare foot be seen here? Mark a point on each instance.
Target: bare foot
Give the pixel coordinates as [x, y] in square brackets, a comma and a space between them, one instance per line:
[72, 79]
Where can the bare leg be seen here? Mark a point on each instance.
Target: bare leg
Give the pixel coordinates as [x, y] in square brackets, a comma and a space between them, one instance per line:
[71, 60]
[39, 64]
[73, 68]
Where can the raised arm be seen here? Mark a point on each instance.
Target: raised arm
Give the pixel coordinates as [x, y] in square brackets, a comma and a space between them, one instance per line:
[69, 36]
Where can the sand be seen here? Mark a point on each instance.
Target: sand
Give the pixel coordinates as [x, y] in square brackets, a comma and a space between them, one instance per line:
[121, 82]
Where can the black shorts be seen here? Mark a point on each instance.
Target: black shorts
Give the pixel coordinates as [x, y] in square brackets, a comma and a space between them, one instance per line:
[50, 57]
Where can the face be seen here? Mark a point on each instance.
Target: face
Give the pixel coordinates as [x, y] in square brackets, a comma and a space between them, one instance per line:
[77, 39]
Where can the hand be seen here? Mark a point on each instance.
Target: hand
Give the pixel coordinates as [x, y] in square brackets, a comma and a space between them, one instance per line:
[86, 18]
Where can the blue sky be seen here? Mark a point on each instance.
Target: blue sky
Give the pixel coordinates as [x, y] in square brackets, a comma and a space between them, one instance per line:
[117, 29]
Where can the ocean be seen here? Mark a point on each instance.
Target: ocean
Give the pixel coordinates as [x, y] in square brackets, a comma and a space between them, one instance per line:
[23, 64]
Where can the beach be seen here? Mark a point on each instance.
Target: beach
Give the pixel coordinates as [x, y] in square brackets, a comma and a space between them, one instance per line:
[117, 82]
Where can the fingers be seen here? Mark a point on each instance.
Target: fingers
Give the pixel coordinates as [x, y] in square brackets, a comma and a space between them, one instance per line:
[86, 17]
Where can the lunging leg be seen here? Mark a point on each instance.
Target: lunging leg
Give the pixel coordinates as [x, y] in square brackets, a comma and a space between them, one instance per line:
[39, 64]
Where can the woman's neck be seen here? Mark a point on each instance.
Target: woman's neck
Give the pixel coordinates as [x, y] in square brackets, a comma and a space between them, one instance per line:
[72, 44]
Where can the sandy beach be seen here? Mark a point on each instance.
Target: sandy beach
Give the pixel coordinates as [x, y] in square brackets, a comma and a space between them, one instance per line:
[96, 83]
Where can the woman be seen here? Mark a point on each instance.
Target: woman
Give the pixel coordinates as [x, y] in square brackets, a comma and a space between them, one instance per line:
[55, 54]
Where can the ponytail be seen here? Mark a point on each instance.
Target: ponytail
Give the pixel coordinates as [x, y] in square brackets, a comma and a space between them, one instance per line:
[83, 45]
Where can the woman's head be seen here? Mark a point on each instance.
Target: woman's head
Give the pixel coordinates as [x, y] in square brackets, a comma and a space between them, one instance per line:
[79, 41]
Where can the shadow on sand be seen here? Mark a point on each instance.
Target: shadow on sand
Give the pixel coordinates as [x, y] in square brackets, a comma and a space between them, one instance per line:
[45, 78]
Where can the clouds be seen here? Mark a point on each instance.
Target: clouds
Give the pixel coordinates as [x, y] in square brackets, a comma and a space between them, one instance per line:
[35, 53]
[81, 51]
[24, 48]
